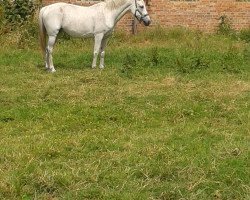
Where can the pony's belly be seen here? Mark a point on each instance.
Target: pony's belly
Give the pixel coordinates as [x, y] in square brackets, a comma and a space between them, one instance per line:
[75, 33]
[87, 33]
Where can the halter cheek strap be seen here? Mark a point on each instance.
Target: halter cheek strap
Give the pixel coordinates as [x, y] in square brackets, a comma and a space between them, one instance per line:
[137, 10]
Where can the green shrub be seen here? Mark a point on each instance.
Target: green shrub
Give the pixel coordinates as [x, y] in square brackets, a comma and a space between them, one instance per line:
[17, 12]
[18, 21]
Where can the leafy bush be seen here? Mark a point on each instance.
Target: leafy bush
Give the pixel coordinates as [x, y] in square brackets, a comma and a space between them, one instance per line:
[18, 21]
[17, 12]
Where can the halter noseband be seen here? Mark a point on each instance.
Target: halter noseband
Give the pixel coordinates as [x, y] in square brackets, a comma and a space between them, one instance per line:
[137, 10]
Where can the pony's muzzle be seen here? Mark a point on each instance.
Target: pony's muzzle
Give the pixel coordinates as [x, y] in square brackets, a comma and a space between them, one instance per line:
[146, 21]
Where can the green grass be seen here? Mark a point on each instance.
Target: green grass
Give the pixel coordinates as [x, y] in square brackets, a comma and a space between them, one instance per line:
[168, 118]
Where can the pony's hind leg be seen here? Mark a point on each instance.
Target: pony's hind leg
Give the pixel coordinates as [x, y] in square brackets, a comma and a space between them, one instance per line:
[97, 46]
[102, 52]
[49, 57]
[46, 58]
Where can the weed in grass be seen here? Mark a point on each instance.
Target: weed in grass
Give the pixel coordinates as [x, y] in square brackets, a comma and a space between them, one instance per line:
[232, 60]
[189, 64]
[155, 57]
[224, 26]
[245, 35]
[128, 66]
[246, 54]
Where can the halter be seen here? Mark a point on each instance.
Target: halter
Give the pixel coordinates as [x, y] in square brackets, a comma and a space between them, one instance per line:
[137, 10]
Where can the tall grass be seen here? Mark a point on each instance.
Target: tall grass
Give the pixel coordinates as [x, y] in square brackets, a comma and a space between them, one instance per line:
[168, 118]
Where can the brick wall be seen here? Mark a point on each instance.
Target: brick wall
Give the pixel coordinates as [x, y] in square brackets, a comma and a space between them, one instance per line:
[196, 14]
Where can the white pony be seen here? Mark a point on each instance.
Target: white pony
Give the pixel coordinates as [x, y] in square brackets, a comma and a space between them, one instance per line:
[96, 21]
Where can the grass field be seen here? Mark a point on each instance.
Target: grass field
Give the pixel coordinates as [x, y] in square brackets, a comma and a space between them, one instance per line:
[168, 118]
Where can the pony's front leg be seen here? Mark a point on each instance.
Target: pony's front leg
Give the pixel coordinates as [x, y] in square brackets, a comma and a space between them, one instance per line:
[102, 52]
[98, 40]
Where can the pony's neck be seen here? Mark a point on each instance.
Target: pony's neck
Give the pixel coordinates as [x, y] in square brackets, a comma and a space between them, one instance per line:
[120, 9]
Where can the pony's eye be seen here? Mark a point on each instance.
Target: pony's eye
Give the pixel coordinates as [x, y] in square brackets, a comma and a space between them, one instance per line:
[141, 7]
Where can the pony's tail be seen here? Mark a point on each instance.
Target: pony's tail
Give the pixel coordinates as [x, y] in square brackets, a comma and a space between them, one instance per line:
[42, 32]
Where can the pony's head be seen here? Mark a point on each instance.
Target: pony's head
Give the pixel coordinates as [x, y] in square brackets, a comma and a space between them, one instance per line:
[139, 10]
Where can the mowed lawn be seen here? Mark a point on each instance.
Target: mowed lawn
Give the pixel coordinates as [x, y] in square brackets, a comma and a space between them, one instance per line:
[168, 118]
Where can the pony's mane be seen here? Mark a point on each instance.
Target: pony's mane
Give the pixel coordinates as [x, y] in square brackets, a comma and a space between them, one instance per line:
[113, 4]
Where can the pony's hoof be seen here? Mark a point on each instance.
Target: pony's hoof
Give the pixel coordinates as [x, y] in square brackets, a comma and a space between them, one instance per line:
[51, 70]
[93, 67]
[101, 66]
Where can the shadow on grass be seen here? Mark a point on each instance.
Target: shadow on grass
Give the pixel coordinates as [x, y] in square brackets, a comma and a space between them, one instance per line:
[61, 65]
[72, 65]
